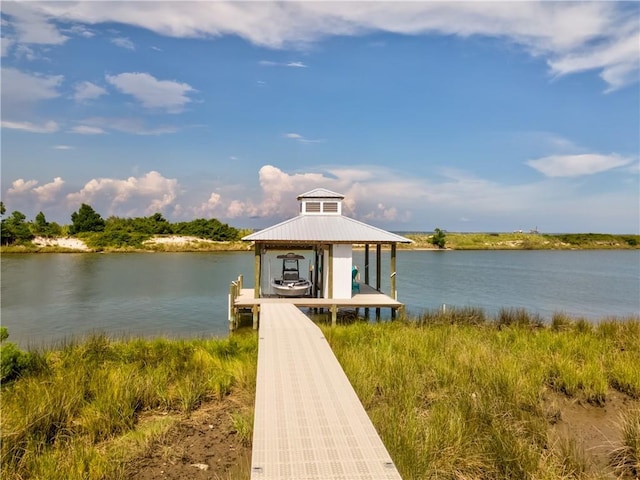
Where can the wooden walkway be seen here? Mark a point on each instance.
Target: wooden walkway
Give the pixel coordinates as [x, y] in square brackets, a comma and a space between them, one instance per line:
[309, 423]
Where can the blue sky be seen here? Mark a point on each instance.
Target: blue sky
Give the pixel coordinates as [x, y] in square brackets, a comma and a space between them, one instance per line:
[467, 116]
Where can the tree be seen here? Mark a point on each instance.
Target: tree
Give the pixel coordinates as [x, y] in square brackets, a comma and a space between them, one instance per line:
[15, 229]
[43, 228]
[3, 209]
[86, 219]
[40, 224]
[438, 238]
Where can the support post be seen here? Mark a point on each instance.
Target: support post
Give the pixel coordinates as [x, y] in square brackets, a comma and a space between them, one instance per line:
[366, 263]
[334, 315]
[256, 271]
[378, 266]
[393, 293]
[232, 306]
[330, 272]
[255, 309]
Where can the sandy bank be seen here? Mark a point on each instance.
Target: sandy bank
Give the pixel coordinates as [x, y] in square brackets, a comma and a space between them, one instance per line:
[66, 242]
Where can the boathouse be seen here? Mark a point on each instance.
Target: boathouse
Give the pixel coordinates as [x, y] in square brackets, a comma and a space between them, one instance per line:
[308, 420]
[321, 229]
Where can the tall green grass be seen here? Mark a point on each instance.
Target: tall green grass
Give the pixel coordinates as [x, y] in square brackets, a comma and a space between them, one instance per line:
[57, 421]
[456, 395]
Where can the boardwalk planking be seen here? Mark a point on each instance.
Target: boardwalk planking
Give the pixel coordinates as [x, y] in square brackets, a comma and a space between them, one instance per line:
[309, 423]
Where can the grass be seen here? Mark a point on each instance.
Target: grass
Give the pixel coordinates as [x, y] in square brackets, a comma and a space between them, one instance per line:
[465, 398]
[453, 394]
[528, 241]
[77, 416]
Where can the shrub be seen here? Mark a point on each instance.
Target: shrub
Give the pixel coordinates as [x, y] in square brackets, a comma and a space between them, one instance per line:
[13, 360]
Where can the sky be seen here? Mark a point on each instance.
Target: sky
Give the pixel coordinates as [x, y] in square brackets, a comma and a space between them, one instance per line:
[466, 116]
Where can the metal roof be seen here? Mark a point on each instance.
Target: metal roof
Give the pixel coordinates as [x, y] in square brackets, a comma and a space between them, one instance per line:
[326, 229]
[320, 193]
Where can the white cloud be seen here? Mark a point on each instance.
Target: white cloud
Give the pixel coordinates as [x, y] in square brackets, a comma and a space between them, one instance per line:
[296, 65]
[147, 194]
[268, 63]
[6, 43]
[48, 192]
[81, 31]
[572, 36]
[87, 130]
[20, 88]
[208, 208]
[123, 42]
[130, 125]
[21, 186]
[27, 193]
[151, 92]
[31, 24]
[48, 127]
[63, 147]
[618, 60]
[577, 165]
[84, 91]
[301, 139]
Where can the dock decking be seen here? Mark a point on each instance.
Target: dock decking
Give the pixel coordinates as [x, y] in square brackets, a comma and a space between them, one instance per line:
[309, 423]
[367, 297]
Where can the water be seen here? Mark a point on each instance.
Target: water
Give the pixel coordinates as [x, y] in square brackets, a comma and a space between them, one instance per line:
[50, 297]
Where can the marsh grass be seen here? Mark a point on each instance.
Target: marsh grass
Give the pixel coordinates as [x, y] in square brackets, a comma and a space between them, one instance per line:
[81, 411]
[626, 458]
[454, 394]
[456, 397]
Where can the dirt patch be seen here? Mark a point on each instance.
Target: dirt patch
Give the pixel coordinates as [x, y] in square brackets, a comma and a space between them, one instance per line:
[594, 430]
[206, 445]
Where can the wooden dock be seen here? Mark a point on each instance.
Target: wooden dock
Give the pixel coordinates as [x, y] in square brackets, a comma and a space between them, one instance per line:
[309, 423]
[242, 299]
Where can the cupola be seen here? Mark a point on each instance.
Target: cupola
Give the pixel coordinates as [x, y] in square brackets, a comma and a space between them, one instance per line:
[320, 202]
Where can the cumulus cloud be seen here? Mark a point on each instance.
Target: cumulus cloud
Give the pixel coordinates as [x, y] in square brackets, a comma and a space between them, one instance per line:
[21, 186]
[571, 36]
[85, 91]
[577, 165]
[208, 208]
[151, 92]
[48, 127]
[151, 193]
[49, 191]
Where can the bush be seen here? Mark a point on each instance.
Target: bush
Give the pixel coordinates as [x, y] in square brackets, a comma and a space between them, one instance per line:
[13, 361]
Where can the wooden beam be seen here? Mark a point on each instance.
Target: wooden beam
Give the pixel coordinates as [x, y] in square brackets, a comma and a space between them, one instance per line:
[378, 266]
[257, 263]
[255, 309]
[393, 293]
[366, 263]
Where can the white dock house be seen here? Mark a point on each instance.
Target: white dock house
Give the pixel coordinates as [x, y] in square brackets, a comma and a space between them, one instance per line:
[322, 229]
[308, 420]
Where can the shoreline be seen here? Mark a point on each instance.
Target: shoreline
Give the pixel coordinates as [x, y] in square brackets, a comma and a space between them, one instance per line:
[457, 241]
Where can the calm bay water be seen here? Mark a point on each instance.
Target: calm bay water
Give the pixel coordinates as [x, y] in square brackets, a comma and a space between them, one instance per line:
[50, 297]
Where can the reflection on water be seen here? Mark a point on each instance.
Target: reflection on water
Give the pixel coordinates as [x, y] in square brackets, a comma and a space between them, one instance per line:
[46, 298]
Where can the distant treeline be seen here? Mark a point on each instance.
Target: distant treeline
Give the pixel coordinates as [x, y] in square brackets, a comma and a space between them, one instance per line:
[97, 232]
